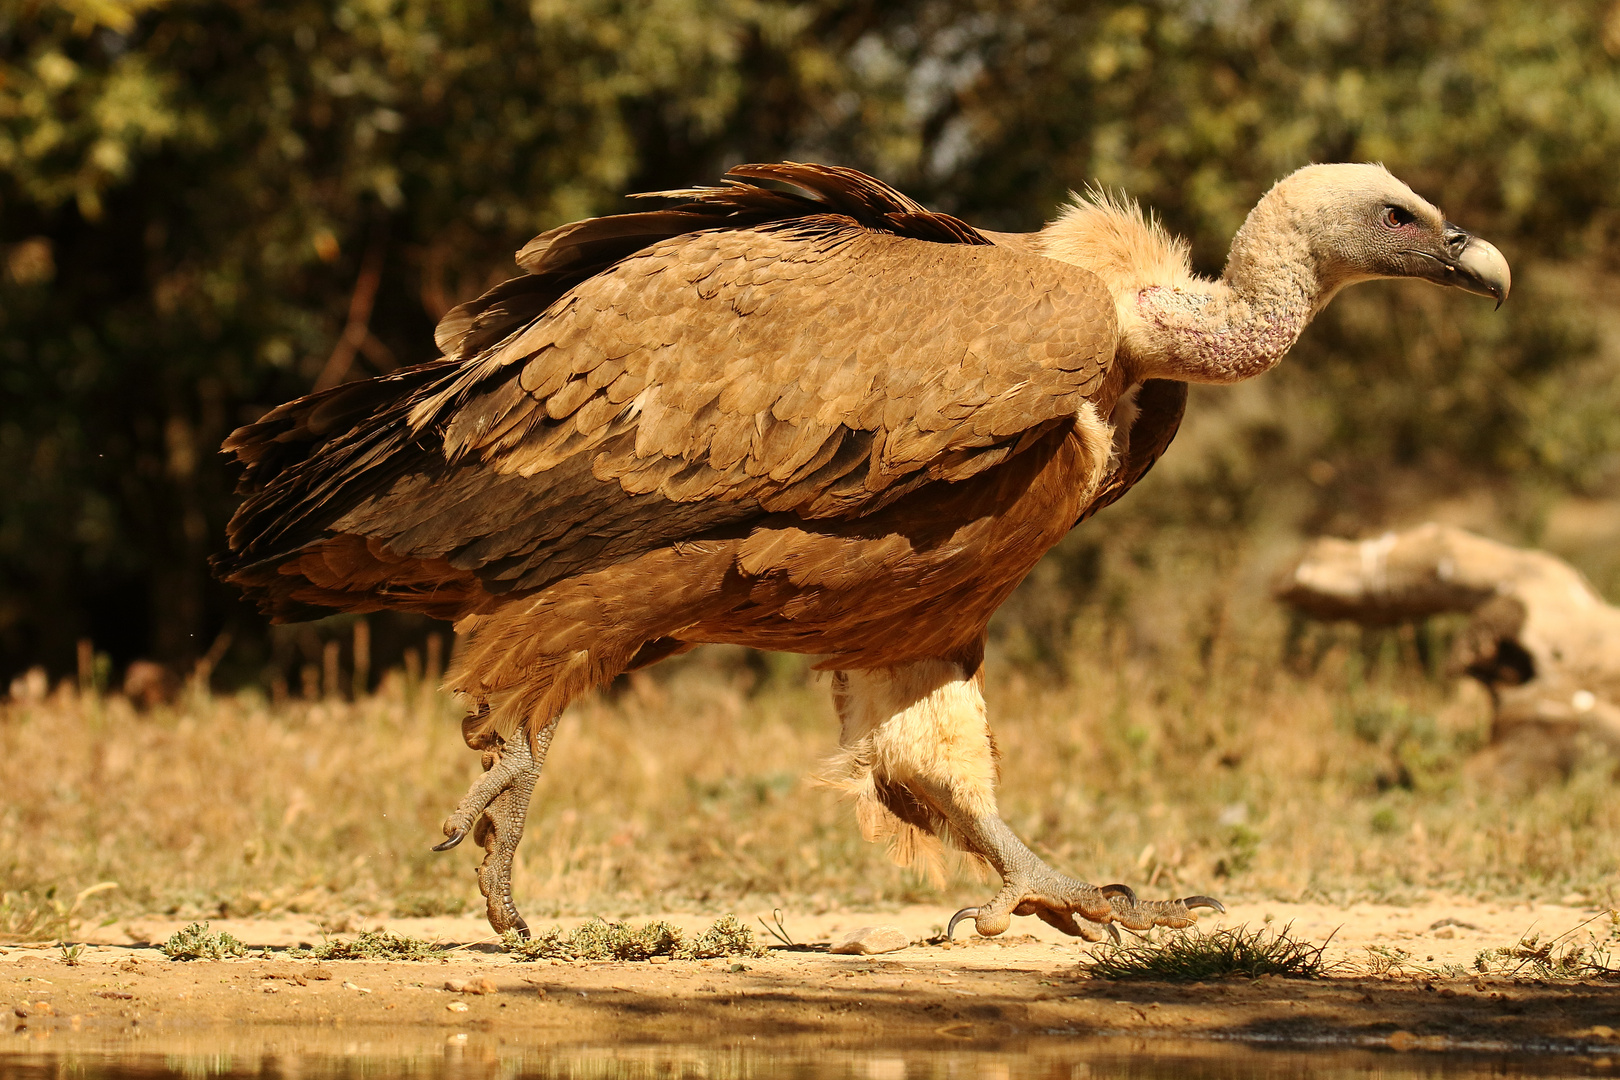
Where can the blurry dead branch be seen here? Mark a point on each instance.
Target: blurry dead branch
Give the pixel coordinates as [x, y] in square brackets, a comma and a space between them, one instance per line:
[357, 335]
[1540, 639]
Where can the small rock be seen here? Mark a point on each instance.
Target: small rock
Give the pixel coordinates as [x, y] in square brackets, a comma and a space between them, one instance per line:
[470, 986]
[457, 1006]
[1445, 932]
[1601, 1031]
[869, 940]
[319, 971]
[657, 959]
[1402, 1040]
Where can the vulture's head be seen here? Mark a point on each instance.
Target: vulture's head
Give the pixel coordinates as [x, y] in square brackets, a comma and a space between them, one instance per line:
[1360, 223]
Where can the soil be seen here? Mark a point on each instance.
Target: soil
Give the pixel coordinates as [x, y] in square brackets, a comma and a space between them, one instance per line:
[1030, 982]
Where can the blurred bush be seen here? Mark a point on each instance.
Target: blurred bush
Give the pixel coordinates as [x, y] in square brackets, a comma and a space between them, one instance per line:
[208, 207]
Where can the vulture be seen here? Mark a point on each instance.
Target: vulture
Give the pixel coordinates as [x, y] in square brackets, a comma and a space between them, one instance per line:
[795, 411]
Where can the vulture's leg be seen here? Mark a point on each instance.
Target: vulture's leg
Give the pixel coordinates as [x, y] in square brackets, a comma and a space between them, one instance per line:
[917, 743]
[494, 810]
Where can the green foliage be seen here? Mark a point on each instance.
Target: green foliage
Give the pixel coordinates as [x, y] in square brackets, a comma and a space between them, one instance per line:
[1191, 956]
[603, 940]
[197, 942]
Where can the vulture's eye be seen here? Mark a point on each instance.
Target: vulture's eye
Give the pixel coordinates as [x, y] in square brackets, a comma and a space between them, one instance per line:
[1395, 217]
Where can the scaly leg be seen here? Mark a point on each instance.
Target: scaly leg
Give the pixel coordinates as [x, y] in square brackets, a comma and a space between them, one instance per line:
[917, 745]
[1030, 887]
[494, 810]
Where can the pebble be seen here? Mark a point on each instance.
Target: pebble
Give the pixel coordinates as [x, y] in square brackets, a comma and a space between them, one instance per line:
[869, 940]
[470, 986]
[457, 1006]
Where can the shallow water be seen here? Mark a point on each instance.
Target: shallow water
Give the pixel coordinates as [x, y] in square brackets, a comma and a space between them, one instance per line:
[327, 1056]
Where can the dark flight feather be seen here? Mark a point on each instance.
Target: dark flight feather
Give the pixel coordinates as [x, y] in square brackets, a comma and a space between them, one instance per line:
[663, 376]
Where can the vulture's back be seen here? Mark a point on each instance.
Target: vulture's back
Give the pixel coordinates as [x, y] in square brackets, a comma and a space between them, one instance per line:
[664, 377]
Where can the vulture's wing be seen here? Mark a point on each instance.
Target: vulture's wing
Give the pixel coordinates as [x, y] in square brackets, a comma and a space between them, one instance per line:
[1160, 404]
[814, 364]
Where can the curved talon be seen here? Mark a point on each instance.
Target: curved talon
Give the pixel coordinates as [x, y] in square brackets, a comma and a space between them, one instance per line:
[1204, 902]
[455, 838]
[965, 913]
[1113, 932]
[1118, 889]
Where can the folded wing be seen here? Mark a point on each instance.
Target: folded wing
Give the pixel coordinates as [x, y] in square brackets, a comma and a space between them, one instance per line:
[820, 362]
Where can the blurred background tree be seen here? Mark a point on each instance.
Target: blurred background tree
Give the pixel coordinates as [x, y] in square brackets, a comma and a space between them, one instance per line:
[207, 208]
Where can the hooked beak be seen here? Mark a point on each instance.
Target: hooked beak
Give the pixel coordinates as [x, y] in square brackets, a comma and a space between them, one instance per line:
[1470, 264]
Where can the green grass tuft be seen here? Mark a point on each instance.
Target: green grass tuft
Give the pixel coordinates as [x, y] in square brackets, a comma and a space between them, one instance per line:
[603, 940]
[374, 945]
[1191, 956]
[196, 942]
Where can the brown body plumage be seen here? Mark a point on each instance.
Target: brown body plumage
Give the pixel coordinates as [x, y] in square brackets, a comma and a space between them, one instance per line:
[799, 435]
[829, 423]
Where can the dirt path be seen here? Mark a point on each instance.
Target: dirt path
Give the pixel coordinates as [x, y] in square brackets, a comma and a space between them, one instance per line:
[982, 990]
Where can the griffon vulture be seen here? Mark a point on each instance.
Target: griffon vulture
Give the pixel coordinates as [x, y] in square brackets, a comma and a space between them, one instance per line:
[797, 411]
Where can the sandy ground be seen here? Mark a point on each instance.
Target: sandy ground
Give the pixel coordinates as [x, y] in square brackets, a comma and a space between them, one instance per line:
[1027, 983]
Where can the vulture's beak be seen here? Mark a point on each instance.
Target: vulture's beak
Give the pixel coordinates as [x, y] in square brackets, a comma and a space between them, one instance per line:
[1468, 263]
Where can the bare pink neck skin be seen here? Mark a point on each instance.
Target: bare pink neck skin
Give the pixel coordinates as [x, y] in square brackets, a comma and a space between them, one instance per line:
[1240, 326]
[1216, 338]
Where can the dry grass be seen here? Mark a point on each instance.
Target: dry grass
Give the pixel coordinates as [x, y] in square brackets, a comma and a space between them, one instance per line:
[1204, 764]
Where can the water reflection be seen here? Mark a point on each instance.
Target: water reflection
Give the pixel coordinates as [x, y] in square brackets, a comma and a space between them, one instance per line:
[293, 1056]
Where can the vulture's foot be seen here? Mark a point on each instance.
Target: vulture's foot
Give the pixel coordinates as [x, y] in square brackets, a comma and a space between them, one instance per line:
[494, 810]
[1030, 887]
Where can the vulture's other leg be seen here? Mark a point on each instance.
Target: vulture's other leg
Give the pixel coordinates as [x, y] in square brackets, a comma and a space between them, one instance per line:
[494, 810]
[918, 751]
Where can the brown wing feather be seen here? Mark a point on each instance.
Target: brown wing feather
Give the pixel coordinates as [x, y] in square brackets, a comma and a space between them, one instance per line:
[820, 363]
[558, 260]
[955, 397]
